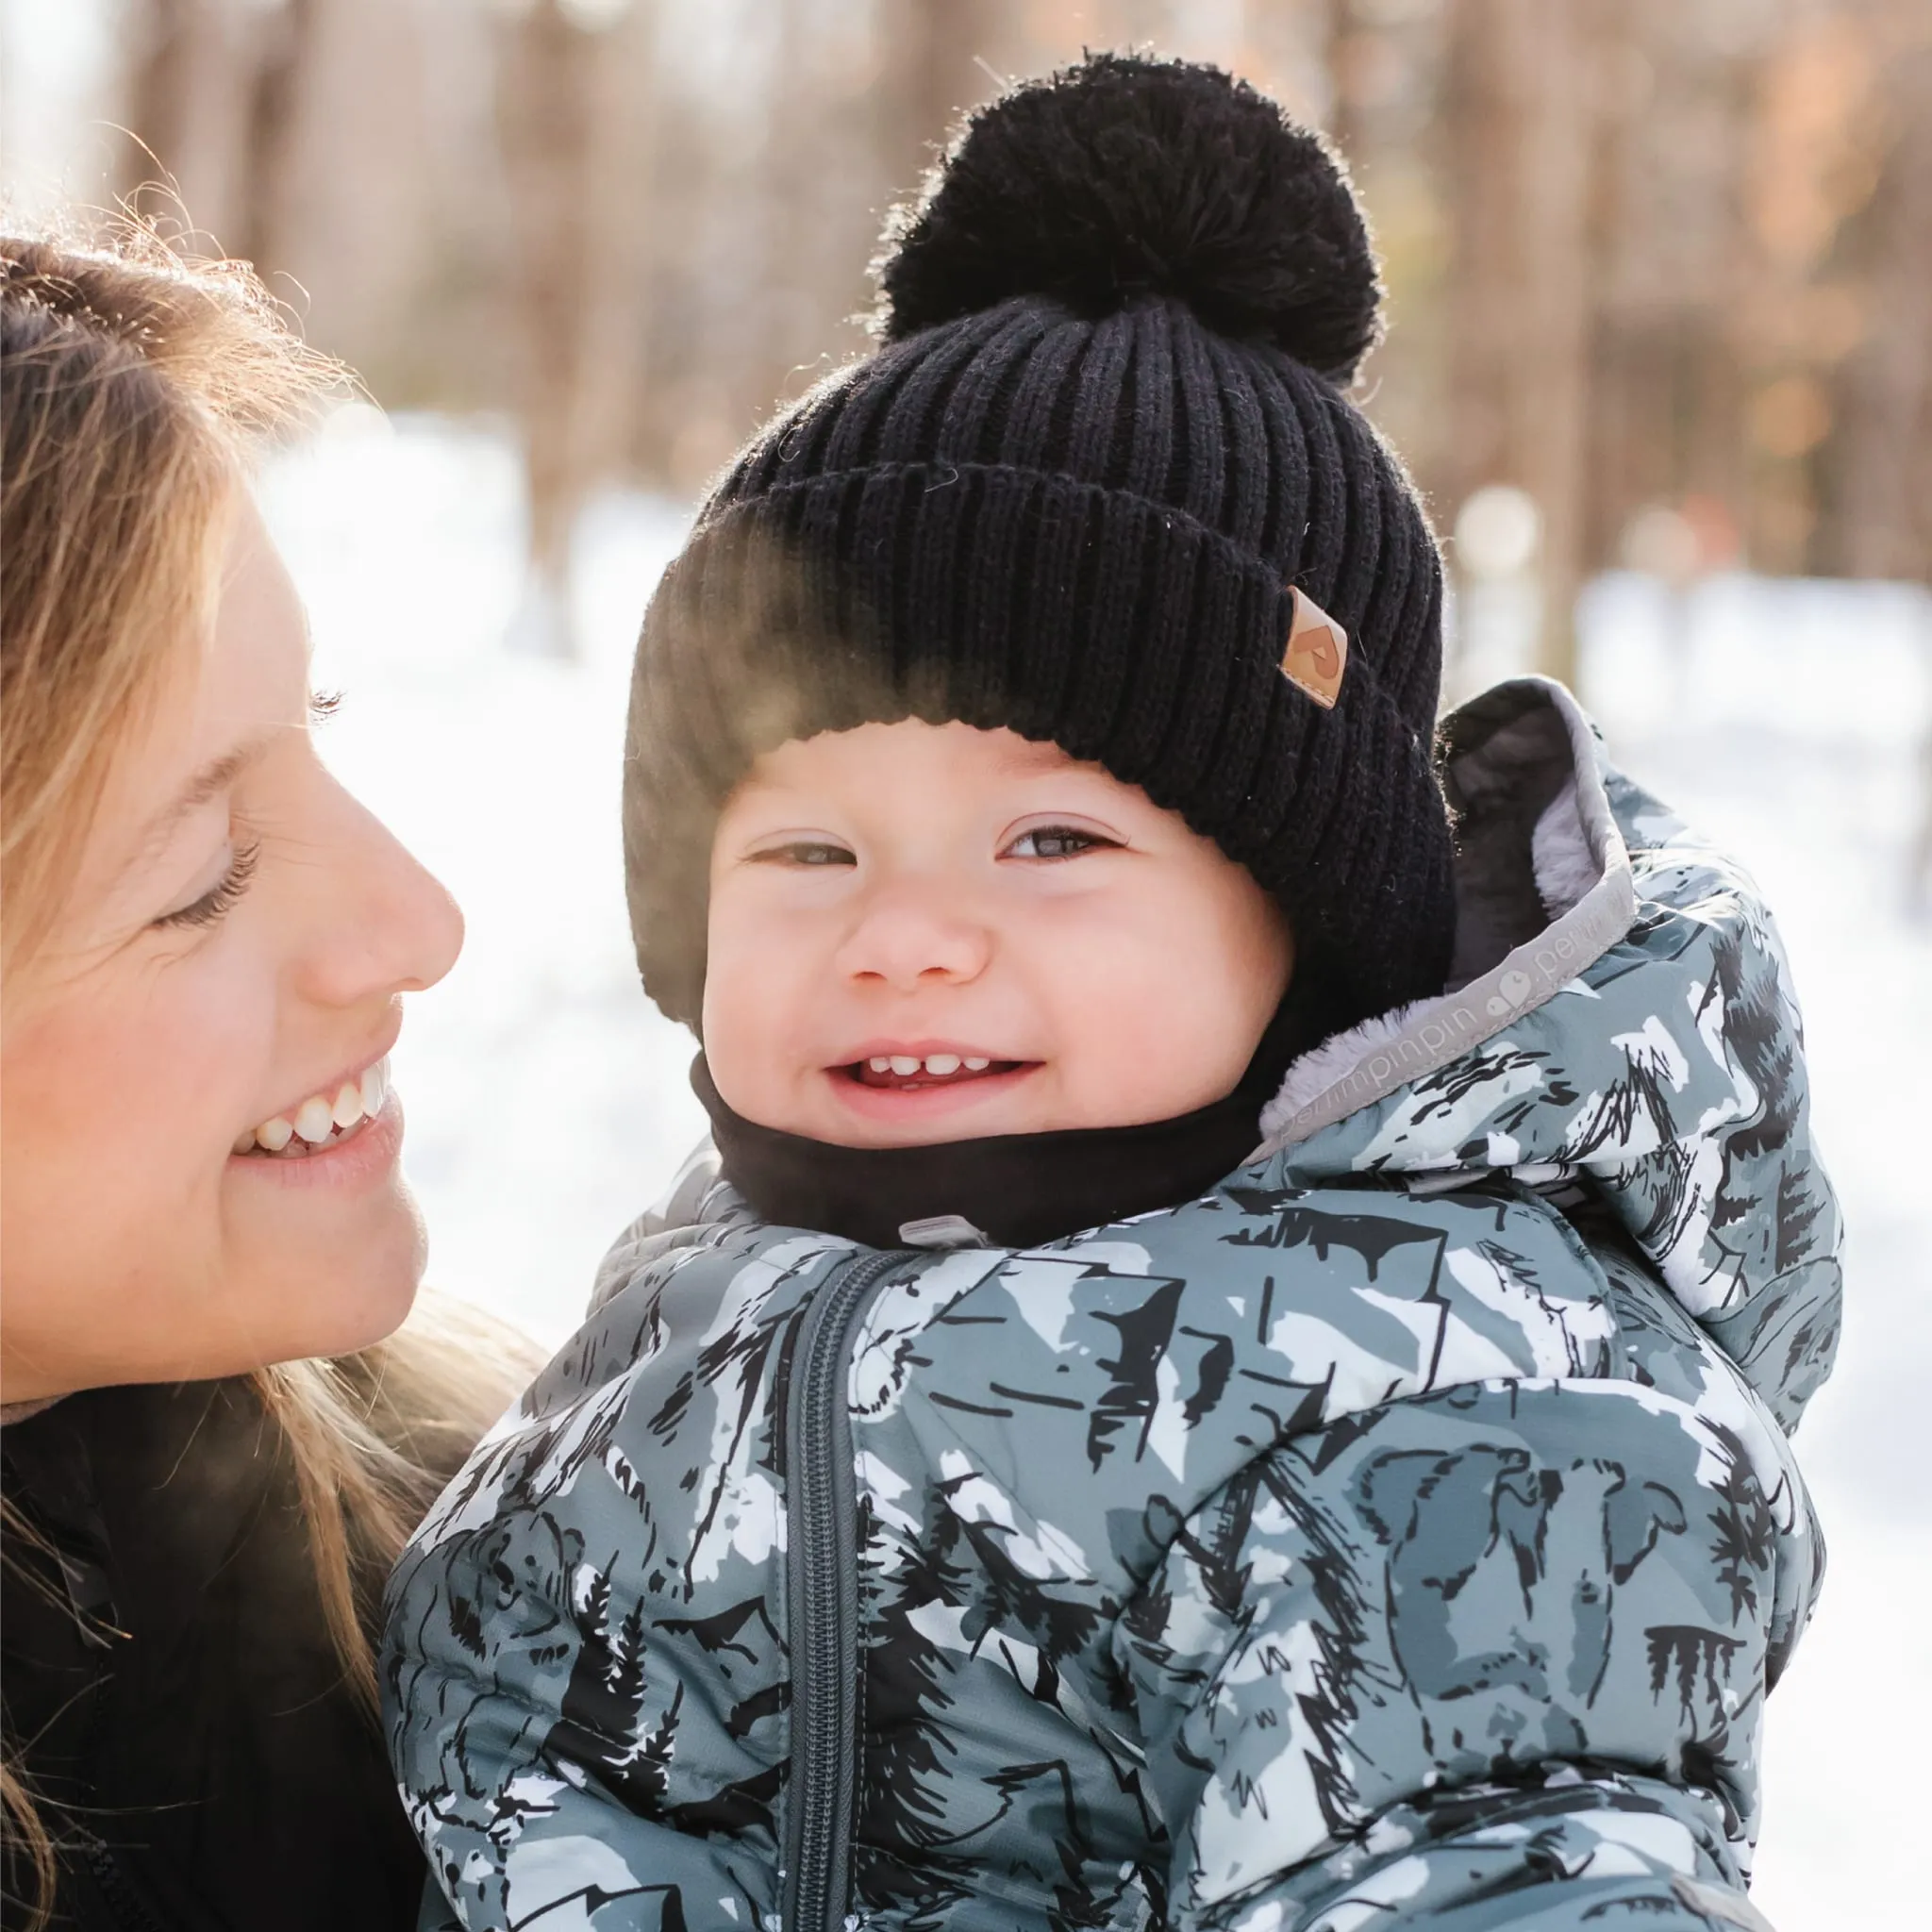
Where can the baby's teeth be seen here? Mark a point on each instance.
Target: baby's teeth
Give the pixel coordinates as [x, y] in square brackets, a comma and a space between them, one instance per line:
[375, 1088]
[274, 1135]
[880, 1065]
[976, 1066]
[348, 1107]
[244, 1143]
[314, 1118]
[943, 1063]
[903, 1064]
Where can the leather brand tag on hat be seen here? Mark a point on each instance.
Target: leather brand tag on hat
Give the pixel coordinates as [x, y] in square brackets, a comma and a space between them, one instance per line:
[1317, 651]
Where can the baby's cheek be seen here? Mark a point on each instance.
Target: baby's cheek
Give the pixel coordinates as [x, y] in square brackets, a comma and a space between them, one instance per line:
[1143, 1038]
[751, 1045]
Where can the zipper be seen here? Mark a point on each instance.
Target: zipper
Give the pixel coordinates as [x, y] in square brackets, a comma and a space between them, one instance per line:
[821, 1589]
[131, 1912]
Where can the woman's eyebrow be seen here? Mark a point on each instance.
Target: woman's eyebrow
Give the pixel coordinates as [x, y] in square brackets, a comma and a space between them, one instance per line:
[209, 782]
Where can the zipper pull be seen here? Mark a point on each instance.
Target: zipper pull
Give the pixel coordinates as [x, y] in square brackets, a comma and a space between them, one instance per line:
[942, 1231]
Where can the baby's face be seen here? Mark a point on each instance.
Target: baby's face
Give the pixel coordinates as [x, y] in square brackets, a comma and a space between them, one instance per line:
[924, 933]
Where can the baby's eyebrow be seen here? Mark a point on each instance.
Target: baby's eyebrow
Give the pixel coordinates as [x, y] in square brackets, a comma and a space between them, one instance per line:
[1029, 756]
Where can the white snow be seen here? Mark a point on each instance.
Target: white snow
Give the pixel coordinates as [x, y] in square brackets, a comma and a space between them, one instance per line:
[1792, 723]
[548, 1101]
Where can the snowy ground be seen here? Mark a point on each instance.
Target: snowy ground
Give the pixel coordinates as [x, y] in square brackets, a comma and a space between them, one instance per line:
[548, 1101]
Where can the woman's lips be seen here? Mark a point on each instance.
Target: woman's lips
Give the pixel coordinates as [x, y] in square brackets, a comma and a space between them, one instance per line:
[363, 1152]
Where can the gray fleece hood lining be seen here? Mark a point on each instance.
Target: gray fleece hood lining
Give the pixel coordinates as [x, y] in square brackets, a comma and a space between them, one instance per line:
[1526, 743]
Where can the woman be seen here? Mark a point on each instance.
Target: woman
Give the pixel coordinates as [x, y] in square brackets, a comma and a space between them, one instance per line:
[203, 945]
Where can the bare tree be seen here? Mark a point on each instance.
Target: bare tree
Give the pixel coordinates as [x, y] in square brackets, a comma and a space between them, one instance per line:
[215, 99]
[1522, 145]
[544, 95]
[1882, 461]
[941, 62]
[269, 153]
[179, 103]
[1342, 52]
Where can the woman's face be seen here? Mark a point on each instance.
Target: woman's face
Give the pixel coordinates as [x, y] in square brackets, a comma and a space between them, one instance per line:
[230, 959]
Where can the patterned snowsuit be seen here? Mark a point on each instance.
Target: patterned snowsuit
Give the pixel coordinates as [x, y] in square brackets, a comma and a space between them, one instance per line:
[1405, 1533]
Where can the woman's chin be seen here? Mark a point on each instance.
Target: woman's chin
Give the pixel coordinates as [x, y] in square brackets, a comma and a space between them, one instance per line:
[333, 1280]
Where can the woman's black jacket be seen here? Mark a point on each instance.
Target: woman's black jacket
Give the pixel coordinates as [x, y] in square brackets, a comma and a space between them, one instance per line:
[170, 1686]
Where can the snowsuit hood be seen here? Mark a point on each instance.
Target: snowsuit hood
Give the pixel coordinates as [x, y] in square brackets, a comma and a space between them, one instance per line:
[1623, 1015]
[1405, 1530]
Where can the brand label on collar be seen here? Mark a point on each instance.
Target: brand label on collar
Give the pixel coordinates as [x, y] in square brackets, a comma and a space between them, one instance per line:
[1317, 652]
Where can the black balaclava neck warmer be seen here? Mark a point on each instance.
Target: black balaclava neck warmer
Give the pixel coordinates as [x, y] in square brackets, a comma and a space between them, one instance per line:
[1016, 1190]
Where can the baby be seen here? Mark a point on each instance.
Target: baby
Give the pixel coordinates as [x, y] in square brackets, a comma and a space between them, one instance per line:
[1229, 1363]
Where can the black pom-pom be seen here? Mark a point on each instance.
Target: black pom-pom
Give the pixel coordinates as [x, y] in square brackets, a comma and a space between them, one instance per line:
[1123, 178]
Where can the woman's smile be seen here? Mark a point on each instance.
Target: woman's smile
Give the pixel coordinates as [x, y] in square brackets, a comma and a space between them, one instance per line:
[365, 1152]
[349, 1132]
[326, 1118]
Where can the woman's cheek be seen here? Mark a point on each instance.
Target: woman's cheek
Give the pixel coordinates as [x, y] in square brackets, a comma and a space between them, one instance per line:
[210, 1039]
[140, 1081]
[118, 1099]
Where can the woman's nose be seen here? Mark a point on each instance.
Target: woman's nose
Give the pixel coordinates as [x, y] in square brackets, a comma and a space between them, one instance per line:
[389, 925]
[910, 936]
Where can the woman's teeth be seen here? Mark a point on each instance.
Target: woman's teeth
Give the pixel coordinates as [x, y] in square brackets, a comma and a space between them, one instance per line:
[321, 1118]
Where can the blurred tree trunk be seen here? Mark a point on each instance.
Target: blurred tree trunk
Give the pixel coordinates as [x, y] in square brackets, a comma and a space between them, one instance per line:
[216, 91]
[178, 108]
[170, 41]
[1521, 142]
[1883, 456]
[932, 77]
[1341, 53]
[797, 159]
[544, 95]
[1133, 24]
[271, 133]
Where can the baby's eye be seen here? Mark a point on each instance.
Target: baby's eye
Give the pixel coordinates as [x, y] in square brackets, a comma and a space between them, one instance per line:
[804, 852]
[1054, 841]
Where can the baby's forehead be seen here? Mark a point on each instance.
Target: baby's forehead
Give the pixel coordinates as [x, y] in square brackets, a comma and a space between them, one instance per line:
[912, 753]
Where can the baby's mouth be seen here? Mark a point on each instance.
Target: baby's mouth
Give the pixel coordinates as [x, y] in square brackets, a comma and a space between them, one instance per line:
[907, 1073]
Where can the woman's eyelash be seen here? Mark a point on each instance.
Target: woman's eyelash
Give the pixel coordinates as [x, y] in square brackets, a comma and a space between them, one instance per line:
[222, 898]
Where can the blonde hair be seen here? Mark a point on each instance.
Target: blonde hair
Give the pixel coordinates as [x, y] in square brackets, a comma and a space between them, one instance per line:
[135, 385]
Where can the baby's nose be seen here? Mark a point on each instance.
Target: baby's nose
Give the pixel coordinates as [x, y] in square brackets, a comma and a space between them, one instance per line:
[907, 940]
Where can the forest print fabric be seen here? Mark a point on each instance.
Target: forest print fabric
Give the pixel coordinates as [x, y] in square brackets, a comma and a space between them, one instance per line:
[1405, 1534]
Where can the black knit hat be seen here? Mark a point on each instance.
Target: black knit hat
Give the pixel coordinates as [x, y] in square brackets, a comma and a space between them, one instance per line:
[1077, 492]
